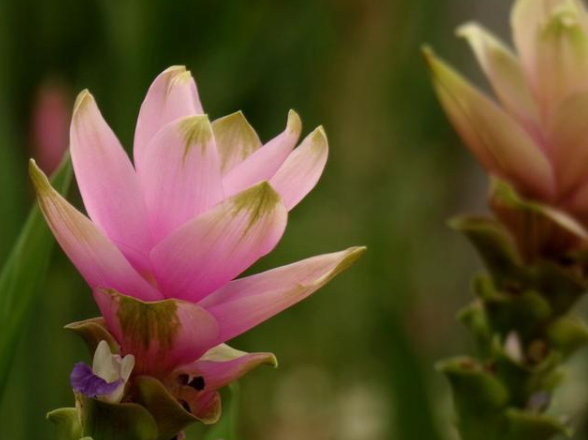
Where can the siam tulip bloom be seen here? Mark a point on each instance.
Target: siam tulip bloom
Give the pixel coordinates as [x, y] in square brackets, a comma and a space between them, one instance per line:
[534, 138]
[167, 237]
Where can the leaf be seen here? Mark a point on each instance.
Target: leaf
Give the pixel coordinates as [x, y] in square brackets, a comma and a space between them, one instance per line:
[121, 421]
[67, 423]
[226, 428]
[23, 275]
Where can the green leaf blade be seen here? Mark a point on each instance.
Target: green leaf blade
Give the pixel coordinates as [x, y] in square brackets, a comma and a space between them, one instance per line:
[23, 274]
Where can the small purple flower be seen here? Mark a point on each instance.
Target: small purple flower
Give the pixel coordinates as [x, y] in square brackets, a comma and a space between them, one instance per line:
[106, 379]
[84, 380]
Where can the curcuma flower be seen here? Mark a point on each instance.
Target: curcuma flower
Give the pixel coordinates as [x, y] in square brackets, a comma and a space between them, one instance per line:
[534, 138]
[167, 237]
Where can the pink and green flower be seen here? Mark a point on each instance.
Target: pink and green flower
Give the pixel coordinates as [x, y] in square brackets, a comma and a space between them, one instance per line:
[168, 235]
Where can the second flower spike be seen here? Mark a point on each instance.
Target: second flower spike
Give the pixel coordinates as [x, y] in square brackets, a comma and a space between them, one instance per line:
[534, 136]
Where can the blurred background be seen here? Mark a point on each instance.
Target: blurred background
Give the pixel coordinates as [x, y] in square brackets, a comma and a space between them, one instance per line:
[357, 359]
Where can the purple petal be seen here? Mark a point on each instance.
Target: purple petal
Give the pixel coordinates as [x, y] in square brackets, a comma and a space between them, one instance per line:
[83, 380]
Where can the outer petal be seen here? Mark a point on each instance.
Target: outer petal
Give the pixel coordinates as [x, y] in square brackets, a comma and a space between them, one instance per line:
[172, 95]
[569, 138]
[503, 70]
[222, 365]
[263, 164]
[245, 303]
[180, 174]
[161, 335]
[236, 140]
[212, 249]
[108, 182]
[527, 19]
[301, 171]
[97, 259]
[498, 142]
[561, 62]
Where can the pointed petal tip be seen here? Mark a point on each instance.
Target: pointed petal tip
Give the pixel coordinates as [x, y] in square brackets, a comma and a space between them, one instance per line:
[294, 122]
[272, 360]
[353, 254]
[239, 115]
[319, 136]
[428, 53]
[235, 117]
[181, 77]
[468, 29]
[175, 69]
[38, 177]
[435, 64]
[83, 99]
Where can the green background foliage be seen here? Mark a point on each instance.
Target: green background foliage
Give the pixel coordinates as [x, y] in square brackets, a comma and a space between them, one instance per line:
[356, 360]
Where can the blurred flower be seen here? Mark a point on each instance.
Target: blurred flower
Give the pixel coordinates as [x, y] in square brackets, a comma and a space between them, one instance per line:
[167, 237]
[536, 138]
[50, 122]
[108, 376]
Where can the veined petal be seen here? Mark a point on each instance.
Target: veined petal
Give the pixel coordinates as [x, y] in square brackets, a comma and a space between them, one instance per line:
[108, 183]
[263, 164]
[222, 365]
[162, 335]
[180, 174]
[172, 95]
[561, 60]
[504, 71]
[247, 302]
[568, 135]
[98, 260]
[212, 249]
[236, 140]
[301, 171]
[498, 142]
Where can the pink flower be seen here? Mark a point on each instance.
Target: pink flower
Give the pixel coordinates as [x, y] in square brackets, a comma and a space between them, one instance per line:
[536, 137]
[167, 237]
